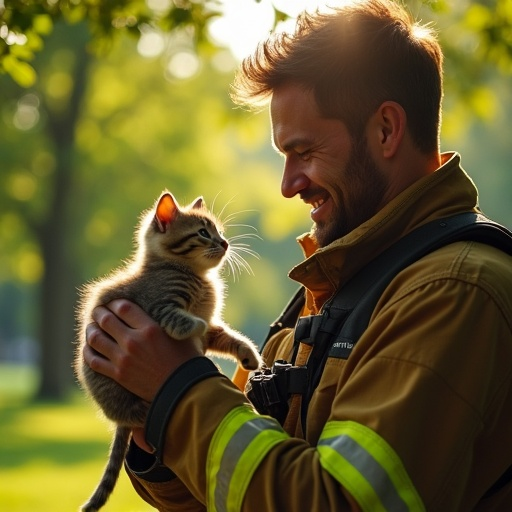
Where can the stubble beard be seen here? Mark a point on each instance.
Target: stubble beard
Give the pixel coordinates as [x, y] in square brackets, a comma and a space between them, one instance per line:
[367, 187]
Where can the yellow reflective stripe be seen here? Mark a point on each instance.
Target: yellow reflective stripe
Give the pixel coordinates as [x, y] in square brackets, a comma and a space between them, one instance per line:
[364, 463]
[239, 444]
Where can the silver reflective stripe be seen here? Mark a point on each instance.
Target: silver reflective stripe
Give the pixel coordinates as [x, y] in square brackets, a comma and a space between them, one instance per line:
[234, 450]
[370, 469]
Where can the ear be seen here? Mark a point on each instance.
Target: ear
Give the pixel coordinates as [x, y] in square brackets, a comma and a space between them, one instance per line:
[390, 123]
[166, 211]
[199, 203]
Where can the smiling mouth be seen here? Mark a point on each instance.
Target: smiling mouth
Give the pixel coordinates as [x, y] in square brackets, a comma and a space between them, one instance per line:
[317, 204]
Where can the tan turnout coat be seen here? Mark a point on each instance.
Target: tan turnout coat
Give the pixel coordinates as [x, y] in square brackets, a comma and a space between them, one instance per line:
[432, 374]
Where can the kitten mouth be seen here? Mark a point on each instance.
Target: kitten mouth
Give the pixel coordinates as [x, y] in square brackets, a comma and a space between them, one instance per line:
[217, 253]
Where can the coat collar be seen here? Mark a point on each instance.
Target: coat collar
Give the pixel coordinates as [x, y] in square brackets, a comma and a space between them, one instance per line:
[447, 191]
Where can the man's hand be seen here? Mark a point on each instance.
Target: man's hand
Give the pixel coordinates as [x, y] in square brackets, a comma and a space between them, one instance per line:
[128, 346]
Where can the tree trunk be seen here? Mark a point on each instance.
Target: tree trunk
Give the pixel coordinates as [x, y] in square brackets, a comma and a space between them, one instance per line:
[58, 294]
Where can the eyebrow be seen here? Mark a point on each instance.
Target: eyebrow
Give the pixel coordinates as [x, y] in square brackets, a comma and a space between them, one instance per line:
[292, 144]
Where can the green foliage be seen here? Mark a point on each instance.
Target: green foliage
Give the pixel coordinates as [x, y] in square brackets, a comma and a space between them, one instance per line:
[479, 30]
[493, 22]
[140, 132]
[99, 135]
[23, 23]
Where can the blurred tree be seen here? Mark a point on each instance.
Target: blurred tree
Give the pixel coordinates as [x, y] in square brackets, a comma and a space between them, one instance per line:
[93, 140]
[37, 193]
[479, 29]
[81, 159]
[24, 22]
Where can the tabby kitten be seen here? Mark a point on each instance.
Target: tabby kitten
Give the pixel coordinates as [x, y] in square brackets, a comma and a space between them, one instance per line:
[174, 278]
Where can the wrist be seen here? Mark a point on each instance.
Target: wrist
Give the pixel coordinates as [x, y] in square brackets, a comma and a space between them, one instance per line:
[170, 394]
[145, 465]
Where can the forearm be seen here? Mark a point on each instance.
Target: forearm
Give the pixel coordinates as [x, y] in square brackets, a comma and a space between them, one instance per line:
[225, 453]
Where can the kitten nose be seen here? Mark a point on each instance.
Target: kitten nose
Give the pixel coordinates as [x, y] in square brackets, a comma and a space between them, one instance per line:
[224, 244]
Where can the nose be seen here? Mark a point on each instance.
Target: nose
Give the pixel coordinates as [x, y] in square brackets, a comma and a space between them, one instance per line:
[293, 180]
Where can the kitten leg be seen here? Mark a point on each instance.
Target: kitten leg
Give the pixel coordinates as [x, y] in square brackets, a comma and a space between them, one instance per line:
[180, 325]
[223, 340]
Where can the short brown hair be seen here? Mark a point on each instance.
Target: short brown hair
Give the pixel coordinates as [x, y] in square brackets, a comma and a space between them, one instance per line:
[353, 59]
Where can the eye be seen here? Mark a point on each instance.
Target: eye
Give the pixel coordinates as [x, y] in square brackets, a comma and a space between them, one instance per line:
[204, 233]
[304, 155]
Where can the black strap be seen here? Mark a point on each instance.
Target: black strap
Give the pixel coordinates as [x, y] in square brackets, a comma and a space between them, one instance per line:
[289, 315]
[365, 289]
[502, 481]
[345, 317]
[355, 301]
[170, 394]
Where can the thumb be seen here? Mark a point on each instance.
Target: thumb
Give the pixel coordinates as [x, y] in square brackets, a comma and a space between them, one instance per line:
[140, 440]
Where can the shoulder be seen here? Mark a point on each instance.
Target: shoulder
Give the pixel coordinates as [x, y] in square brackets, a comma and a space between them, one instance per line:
[463, 262]
[462, 271]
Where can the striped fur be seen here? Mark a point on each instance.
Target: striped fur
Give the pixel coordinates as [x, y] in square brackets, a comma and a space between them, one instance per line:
[174, 277]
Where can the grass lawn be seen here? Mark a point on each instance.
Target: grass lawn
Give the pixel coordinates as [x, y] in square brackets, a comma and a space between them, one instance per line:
[52, 455]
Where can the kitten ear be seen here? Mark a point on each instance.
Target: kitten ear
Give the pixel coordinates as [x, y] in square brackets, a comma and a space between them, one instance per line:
[166, 211]
[199, 203]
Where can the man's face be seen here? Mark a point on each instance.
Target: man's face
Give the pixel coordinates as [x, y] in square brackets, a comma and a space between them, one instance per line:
[331, 172]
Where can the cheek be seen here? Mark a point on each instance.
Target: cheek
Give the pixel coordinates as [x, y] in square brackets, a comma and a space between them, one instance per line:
[330, 177]
[330, 167]
[340, 199]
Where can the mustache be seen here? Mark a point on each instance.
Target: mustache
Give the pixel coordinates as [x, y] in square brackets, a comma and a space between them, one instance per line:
[307, 195]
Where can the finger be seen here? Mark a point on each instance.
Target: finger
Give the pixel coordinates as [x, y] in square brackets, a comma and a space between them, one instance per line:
[108, 321]
[100, 342]
[97, 362]
[140, 440]
[130, 313]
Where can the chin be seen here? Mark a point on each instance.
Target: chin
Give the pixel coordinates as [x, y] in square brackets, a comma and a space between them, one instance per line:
[323, 235]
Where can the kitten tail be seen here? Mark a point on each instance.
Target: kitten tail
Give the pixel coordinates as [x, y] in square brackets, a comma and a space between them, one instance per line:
[112, 471]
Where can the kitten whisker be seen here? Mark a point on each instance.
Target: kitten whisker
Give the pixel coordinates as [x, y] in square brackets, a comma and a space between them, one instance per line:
[233, 215]
[241, 225]
[221, 213]
[246, 235]
[231, 269]
[235, 259]
[245, 249]
[214, 200]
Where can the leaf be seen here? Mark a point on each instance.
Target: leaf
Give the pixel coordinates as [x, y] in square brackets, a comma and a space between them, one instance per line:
[43, 24]
[22, 52]
[34, 41]
[478, 17]
[483, 103]
[21, 72]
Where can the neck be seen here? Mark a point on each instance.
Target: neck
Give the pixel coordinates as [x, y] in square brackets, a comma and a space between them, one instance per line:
[407, 167]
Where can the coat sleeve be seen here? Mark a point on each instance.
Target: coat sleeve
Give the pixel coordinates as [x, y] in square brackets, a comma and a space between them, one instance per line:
[219, 447]
[158, 485]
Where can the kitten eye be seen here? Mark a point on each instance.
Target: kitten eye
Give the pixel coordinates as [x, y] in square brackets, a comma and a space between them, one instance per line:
[204, 233]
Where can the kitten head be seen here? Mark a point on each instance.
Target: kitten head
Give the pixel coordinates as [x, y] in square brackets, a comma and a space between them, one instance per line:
[189, 235]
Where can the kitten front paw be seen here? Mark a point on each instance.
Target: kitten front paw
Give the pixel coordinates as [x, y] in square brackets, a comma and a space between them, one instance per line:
[249, 358]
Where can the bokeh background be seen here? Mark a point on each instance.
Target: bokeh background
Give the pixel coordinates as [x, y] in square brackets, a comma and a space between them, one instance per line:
[104, 106]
